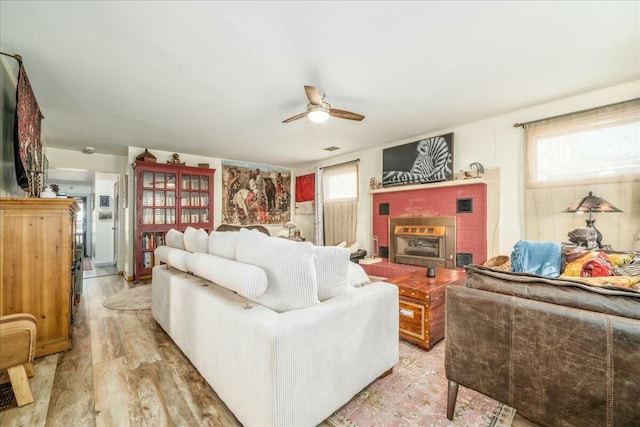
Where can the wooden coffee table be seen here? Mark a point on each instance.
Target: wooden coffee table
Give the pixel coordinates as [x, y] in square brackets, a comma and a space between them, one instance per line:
[422, 304]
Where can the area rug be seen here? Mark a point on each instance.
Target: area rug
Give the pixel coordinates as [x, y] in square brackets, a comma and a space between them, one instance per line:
[135, 298]
[415, 394]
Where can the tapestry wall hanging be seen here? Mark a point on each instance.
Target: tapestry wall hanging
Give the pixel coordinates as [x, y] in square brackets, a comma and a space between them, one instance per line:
[305, 194]
[27, 142]
[427, 160]
[255, 194]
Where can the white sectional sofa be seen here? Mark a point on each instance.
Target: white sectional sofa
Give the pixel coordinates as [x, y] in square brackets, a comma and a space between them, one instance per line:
[310, 341]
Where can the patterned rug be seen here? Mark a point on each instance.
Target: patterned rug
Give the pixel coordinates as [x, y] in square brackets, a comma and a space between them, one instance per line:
[135, 298]
[415, 394]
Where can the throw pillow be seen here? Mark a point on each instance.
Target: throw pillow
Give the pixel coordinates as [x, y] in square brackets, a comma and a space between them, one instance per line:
[289, 266]
[175, 239]
[332, 270]
[196, 240]
[223, 244]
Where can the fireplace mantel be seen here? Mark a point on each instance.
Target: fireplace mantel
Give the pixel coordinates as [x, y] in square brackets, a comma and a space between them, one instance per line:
[454, 183]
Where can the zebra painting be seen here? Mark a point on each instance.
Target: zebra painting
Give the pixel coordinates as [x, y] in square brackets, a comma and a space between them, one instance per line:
[428, 160]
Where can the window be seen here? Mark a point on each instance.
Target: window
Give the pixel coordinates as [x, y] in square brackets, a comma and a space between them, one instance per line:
[341, 182]
[340, 206]
[599, 145]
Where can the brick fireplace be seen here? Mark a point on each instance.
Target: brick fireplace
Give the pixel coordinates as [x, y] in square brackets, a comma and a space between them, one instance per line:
[465, 203]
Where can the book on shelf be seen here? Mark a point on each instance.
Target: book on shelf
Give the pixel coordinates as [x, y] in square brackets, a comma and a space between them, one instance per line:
[147, 260]
[159, 239]
[147, 241]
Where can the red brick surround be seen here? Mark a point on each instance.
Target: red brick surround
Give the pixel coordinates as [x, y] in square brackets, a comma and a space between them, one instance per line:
[471, 228]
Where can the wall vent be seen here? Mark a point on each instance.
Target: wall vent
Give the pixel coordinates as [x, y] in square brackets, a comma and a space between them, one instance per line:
[464, 205]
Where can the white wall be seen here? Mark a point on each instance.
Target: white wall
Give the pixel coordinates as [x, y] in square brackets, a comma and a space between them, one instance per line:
[494, 142]
[103, 236]
[72, 159]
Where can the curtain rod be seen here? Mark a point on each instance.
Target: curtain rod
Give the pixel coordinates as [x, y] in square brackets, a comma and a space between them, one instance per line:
[523, 124]
[16, 57]
[340, 164]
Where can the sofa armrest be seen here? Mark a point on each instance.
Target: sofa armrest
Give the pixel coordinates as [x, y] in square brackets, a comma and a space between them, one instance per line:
[17, 339]
[342, 345]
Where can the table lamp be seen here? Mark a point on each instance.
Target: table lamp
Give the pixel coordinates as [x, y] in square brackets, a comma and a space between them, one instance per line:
[591, 203]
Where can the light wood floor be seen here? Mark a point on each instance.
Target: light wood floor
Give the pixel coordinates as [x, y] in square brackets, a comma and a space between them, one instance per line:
[123, 370]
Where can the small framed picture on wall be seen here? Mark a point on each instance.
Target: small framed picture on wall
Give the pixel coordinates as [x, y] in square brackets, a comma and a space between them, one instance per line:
[104, 201]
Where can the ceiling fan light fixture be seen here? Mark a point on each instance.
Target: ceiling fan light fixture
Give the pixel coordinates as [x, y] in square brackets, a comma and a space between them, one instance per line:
[318, 113]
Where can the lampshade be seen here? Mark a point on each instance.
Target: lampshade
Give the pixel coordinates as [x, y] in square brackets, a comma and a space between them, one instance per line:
[591, 203]
[318, 114]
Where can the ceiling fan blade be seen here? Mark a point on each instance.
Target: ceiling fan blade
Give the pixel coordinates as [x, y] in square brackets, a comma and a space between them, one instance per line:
[345, 114]
[296, 117]
[313, 95]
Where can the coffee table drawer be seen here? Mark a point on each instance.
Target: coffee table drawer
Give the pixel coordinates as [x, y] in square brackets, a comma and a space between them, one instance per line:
[412, 319]
[413, 293]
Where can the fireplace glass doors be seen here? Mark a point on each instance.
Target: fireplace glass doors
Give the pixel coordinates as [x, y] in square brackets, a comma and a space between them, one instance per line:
[428, 242]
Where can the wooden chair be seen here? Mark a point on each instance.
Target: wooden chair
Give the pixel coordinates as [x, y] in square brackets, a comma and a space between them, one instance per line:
[17, 349]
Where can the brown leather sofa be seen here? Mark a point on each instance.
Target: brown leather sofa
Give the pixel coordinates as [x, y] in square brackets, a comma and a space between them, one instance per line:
[561, 353]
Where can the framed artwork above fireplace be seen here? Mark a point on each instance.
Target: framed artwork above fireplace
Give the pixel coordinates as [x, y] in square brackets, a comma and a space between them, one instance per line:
[427, 160]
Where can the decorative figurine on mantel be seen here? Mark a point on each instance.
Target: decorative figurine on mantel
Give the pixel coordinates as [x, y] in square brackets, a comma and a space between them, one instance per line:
[374, 184]
[175, 160]
[469, 174]
[479, 168]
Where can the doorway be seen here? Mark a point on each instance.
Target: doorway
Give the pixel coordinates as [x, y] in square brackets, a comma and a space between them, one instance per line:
[81, 223]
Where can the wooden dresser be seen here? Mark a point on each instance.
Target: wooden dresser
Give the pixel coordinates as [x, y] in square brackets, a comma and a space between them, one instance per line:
[37, 250]
[422, 304]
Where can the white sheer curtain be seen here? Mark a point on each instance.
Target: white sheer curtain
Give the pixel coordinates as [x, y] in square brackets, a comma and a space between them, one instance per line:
[319, 208]
[340, 195]
[568, 156]
[597, 145]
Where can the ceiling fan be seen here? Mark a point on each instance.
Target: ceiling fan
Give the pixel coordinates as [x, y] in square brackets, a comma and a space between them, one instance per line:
[319, 111]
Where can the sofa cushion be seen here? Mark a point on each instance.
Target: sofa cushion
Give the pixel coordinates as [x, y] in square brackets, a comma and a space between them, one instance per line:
[196, 240]
[174, 257]
[289, 266]
[175, 239]
[223, 244]
[245, 280]
[332, 270]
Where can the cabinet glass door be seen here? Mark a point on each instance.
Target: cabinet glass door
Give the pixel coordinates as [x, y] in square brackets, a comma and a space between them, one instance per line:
[158, 198]
[194, 201]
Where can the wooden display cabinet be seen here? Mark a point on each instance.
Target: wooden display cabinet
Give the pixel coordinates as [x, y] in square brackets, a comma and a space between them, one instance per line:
[37, 250]
[168, 196]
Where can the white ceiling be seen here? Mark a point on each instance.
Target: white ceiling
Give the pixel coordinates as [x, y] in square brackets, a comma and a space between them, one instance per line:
[217, 78]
